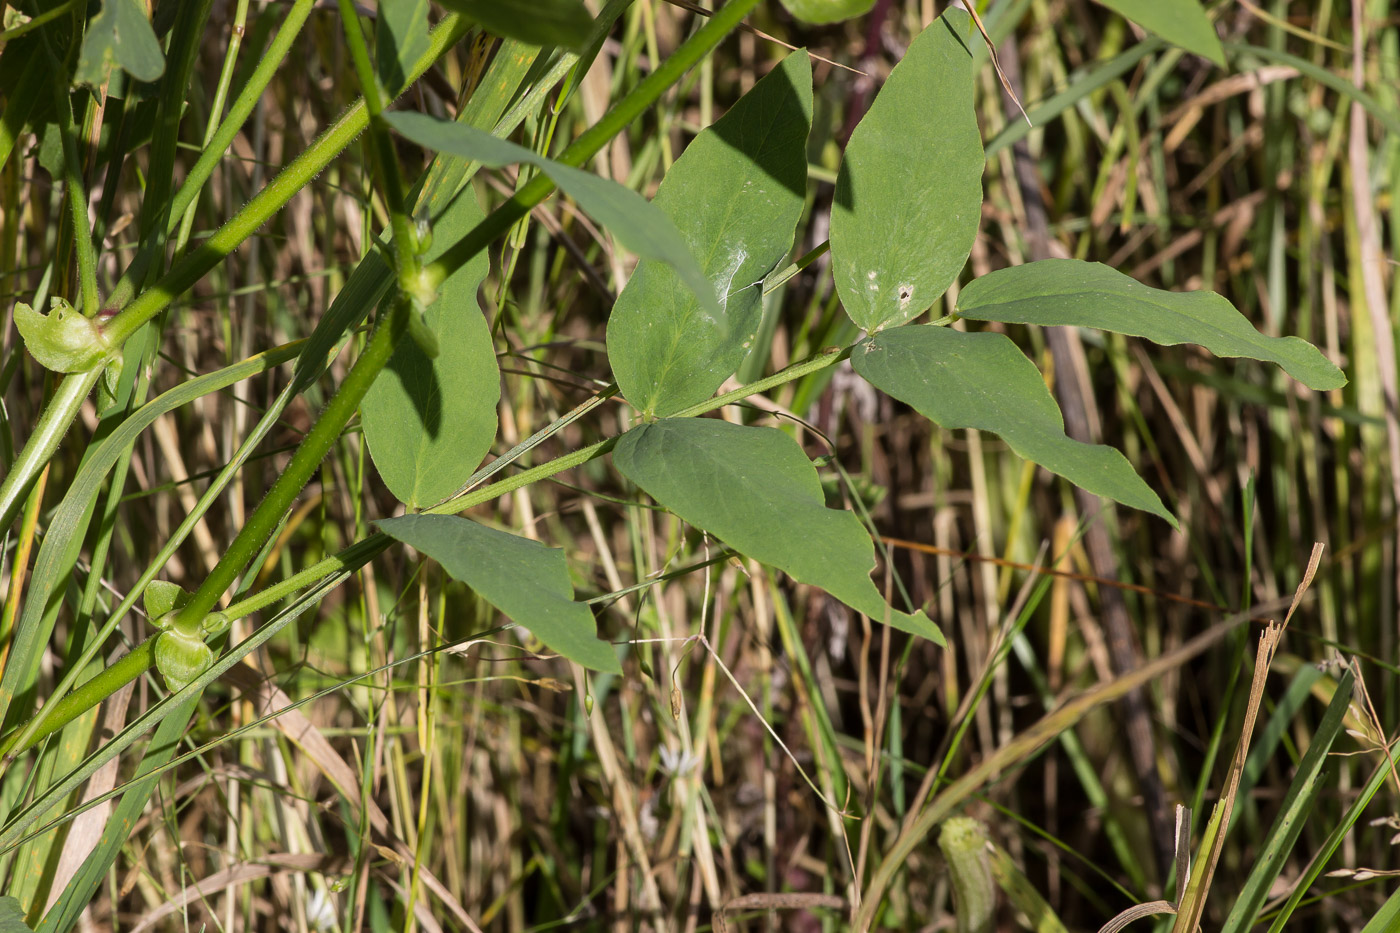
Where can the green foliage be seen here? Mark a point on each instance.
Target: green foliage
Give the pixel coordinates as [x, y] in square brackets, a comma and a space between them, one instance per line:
[429, 422]
[909, 196]
[1085, 294]
[983, 381]
[1180, 22]
[63, 340]
[120, 34]
[736, 195]
[827, 11]
[401, 38]
[755, 490]
[524, 579]
[539, 22]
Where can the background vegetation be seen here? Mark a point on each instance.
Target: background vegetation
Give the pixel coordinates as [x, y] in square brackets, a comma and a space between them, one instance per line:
[476, 787]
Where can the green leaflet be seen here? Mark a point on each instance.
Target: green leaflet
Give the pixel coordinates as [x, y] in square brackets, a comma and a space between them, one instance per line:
[401, 38]
[983, 381]
[755, 490]
[524, 579]
[736, 195]
[909, 196]
[1180, 22]
[429, 422]
[1089, 294]
[119, 34]
[636, 223]
[62, 341]
[539, 22]
[827, 11]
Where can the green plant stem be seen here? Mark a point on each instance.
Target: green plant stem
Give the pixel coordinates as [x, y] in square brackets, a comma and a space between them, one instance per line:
[76, 196]
[58, 416]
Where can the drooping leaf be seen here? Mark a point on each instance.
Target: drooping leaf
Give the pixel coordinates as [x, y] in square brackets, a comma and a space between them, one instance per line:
[1089, 294]
[120, 34]
[755, 490]
[401, 38]
[1180, 22]
[827, 11]
[983, 381]
[524, 579]
[637, 224]
[909, 195]
[540, 22]
[736, 195]
[429, 422]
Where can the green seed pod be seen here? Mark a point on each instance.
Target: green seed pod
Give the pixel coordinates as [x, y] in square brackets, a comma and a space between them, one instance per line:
[63, 340]
[180, 658]
[964, 844]
[215, 623]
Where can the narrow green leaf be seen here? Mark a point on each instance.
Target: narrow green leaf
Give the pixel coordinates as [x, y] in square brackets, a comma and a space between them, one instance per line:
[1386, 919]
[637, 224]
[827, 11]
[119, 34]
[1180, 22]
[983, 381]
[524, 579]
[1088, 294]
[401, 38]
[539, 22]
[909, 195]
[755, 490]
[736, 195]
[429, 422]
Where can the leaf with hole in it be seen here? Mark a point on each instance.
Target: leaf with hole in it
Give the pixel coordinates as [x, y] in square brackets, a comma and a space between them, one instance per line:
[401, 38]
[909, 195]
[736, 194]
[524, 579]
[1089, 294]
[637, 223]
[983, 381]
[429, 422]
[540, 22]
[1180, 22]
[755, 490]
[120, 34]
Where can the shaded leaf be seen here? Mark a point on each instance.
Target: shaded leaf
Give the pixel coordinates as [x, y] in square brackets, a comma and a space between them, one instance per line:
[401, 38]
[755, 490]
[1180, 22]
[120, 34]
[429, 422]
[983, 381]
[736, 194]
[524, 579]
[12, 916]
[637, 224]
[1089, 294]
[909, 195]
[539, 22]
[827, 11]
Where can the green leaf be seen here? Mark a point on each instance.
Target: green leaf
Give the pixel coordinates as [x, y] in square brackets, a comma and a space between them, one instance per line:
[524, 579]
[63, 341]
[755, 490]
[983, 381]
[119, 34]
[827, 11]
[539, 22]
[161, 597]
[401, 38]
[909, 195]
[1088, 294]
[637, 224]
[429, 422]
[1180, 22]
[736, 195]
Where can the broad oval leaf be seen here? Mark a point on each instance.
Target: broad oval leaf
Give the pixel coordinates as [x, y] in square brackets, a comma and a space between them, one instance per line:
[755, 490]
[983, 381]
[736, 194]
[539, 22]
[524, 579]
[827, 11]
[1089, 294]
[401, 38]
[636, 222]
[120, 34]
[429, 422]
[909, 195]
[1180, 22]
